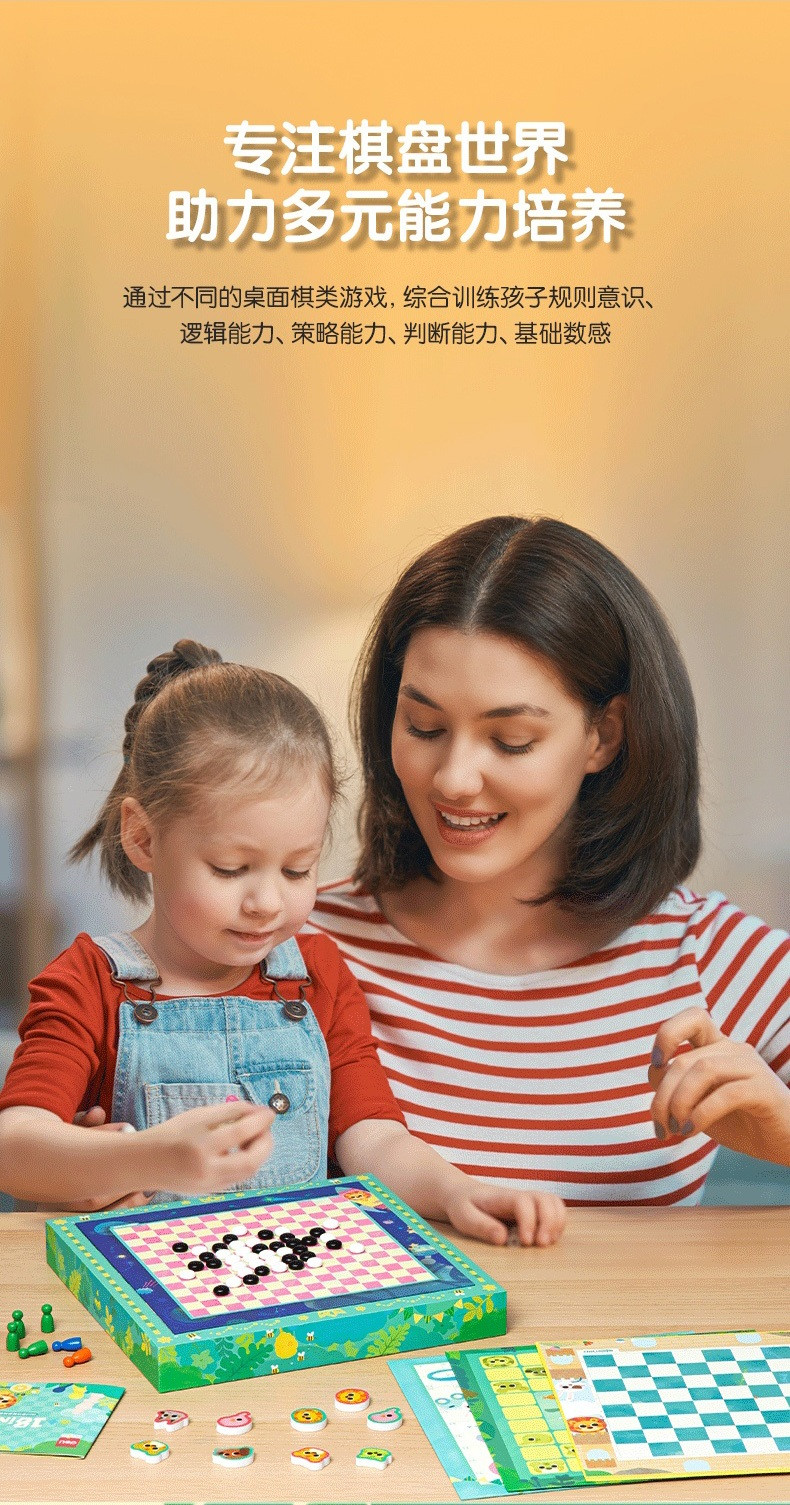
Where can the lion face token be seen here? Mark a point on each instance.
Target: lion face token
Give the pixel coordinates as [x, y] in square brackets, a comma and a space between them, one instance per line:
[241, 1421]
[308, 1419]
[352, 1400]
[314, 1458]
[233, 1457]
[170, 1421]
[374, 1458]
[149, 1452]
[385, 1421]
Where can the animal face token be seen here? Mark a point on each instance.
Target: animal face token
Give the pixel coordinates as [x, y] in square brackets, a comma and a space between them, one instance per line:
[352, 1400]
[314, 1458]
[374, 1458]
[386, 1421]
[149, 1452]
[7, 1399]
[233, 1457]
[586, 1424]
[241, 1422]
[308, 1419]
[170, 1421]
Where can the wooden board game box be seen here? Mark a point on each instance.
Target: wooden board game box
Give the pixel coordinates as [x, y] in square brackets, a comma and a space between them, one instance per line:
[257, 1283]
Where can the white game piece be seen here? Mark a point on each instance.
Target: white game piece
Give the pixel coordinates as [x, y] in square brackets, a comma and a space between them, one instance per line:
[233, 1457]
[313, 1458]
[170, 1421]
[385, 1421]
[149, 1452]
[374, 1458]
[233, 1281]
[240, 1229]
[356, 1248]
[351, 1401]
[330, 1223]
[308, 1419]
[240, 1421]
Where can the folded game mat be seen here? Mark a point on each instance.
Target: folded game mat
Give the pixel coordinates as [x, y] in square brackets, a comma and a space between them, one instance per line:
[634, 1409]
[62, 1420]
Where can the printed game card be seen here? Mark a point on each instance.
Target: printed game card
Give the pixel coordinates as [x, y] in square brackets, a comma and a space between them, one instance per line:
[511, 1398]
[672, 1406]
[61, 1420]
[434, 1395]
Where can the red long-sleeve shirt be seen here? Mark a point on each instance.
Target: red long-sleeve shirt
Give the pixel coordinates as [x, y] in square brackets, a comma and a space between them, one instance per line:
[69, 1037]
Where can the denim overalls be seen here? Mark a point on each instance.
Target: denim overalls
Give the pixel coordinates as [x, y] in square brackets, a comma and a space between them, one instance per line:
[193, 1052]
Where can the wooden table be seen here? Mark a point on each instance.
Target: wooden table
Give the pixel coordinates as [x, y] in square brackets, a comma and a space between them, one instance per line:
[617, 1271]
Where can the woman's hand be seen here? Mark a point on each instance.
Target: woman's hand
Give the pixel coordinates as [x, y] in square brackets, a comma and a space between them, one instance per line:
[497, 1215]
[717, 1087]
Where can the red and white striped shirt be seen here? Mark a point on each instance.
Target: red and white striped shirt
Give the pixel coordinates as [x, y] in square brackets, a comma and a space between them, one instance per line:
[542, 1079]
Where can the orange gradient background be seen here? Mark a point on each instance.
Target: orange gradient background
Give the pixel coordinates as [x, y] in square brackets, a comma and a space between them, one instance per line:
[264, 498]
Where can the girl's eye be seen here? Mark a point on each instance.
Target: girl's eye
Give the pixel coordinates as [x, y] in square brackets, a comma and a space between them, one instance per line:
[418, 731]
[510, 747]
[291, 872]
[227, 872]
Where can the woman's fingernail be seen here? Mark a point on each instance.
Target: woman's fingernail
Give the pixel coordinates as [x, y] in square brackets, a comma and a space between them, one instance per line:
[657, 1057]
[688, 1127]
[674, 1127]
[661, 1132]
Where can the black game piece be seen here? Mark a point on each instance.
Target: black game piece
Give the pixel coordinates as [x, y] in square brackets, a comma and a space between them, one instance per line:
[218, 1248]
[195, 1264]
[262, 1270]
[222, 1290]
[278, 1244]
[250, 1280]
[180, 1248]
[259, 1248]
[230, 1238]
[316, 1232]
[265, 1233]
[334, 1243]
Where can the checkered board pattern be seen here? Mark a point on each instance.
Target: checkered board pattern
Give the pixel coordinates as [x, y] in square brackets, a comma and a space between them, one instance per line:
[369, 1260]
[693, 1403]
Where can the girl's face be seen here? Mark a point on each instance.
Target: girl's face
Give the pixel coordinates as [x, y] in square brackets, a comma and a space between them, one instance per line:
[491, 751]
[237, 876]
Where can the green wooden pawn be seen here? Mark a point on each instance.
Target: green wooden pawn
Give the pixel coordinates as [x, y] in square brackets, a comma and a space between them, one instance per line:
[20, 1326]
[47, 1319]
[12, 1338]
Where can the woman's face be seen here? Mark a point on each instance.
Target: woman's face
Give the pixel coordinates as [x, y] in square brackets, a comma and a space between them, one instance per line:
[491, 751]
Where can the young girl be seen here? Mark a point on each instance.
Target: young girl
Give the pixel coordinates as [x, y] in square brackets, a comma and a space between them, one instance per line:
[550, 1006]
[241, 1056]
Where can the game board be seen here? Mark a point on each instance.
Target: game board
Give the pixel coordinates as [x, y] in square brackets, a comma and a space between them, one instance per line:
[672, 1406]
[510, 1395]
[393, 1284]
[435, 1396]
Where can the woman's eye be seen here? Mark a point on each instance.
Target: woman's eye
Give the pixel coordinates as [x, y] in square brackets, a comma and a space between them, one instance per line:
[227, 872]
[513, 747]
[418, 731]
[292, 872]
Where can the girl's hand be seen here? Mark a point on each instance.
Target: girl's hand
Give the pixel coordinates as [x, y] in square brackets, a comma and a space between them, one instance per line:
[205, 1149]
[496, 1214]
[718, 1087]
[96, 1118]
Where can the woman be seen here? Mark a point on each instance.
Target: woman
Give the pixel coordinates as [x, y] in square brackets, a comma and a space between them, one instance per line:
[551, 1006]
